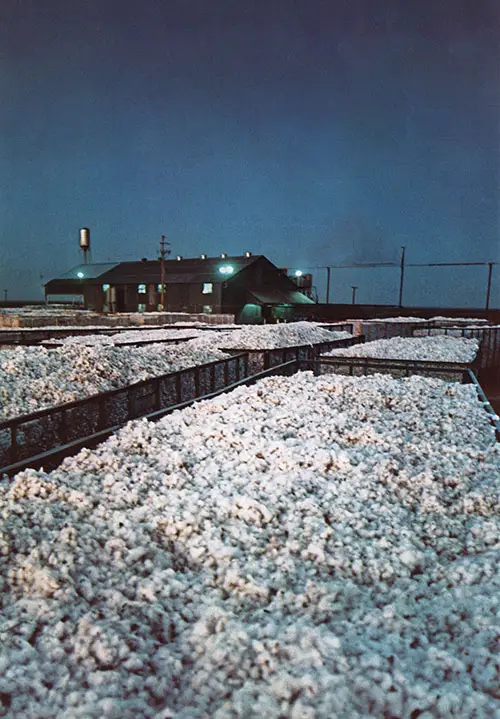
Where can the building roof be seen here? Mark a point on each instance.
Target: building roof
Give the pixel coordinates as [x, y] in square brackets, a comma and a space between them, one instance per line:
[177, 271]
[148, 271]
[87, 272]
[273, 296]
[185, 271]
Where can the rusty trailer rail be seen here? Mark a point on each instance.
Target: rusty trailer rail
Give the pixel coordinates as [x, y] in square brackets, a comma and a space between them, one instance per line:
[48, 344]
[488, 336]
[42, 437]
[45, 437]
[262, 359]
[361, 366]
[365, 366]
[38, 336]
[70, 425]
[52, 457]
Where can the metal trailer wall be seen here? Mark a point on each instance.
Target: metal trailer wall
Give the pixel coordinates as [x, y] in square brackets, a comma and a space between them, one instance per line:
[38, 433]
[37, 336]
[380, 329]
[489, 338]
[85, 318]
[259, 360]
[363, 366]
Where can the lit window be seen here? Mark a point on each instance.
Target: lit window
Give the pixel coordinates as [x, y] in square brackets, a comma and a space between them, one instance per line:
[226, 269]
[207, 309]
[158, 287]
[208, 288]
[141, 308]
[141, 289]
[105, 288]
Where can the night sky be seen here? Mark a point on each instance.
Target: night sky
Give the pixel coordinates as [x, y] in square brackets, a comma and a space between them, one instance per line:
[314, 132]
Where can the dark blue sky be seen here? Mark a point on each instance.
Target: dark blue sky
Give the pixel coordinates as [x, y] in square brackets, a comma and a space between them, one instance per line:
[314, 132]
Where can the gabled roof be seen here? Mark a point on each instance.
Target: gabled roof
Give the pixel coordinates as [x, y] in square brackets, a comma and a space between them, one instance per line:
[274, 296]
[87, 272]
[176, 271]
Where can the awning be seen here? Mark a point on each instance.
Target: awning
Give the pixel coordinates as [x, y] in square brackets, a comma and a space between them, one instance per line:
[274, 296]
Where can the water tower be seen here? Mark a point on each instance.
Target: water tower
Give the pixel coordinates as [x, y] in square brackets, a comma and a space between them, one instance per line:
[85, 244]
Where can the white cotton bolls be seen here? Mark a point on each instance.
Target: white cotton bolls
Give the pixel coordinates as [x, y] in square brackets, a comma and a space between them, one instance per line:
[33, 378]
[255, 337]
[439, 348]
[304, 547]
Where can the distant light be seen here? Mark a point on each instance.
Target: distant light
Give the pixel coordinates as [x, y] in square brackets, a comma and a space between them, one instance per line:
[226, 269]
[80, 275]
[298, 273]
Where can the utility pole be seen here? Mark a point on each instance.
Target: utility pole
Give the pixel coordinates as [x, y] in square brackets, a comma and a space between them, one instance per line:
[488, 289]
[5, 295]
[328, 285]
[401, 277]
[354, 288]
[164, 252]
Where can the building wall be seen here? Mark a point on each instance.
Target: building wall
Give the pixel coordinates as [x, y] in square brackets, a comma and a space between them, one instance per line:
[178, 298]
[190, 298]
[229, 294]
[94, 297]
[261, 275]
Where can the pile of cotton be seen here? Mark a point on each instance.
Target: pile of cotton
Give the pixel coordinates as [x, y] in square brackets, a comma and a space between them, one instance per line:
[440, 348]
[459, 320]
[32, 378]
[128, 336]
[260, 337]
[397, 320]
[308, 547]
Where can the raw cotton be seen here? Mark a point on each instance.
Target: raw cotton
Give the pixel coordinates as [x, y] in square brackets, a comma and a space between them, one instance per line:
[255, 337]
[32, 378]
[436, 348]
[308, 547]
[141, 335]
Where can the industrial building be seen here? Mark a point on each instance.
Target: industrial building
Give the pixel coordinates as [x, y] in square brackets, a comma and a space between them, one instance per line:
[249, 286]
